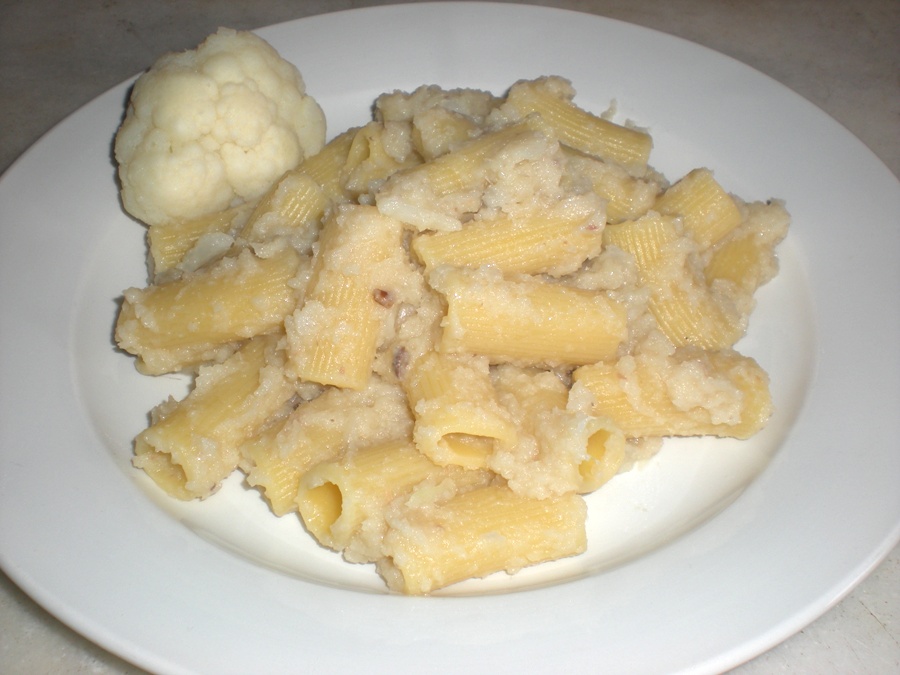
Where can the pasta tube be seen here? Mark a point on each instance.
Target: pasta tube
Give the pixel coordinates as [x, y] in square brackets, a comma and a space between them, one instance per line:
[436, 195]
[192, 445]
[319, 430]
[558, 449]
[182, 323]
[746, 257]
[526, 320]
[293, 206]
[376, 152]
[326, 167]
[477, 533]
[689, 394]
[336, 497]
[688, 311]
[170, 242]
[344, 502]
[626, 196]
[557, 116]
[458, 418]
[709, 213]
[551, 242]
[333, 336]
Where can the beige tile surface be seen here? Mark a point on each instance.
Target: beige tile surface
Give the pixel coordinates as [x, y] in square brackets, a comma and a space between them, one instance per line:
[843, 56]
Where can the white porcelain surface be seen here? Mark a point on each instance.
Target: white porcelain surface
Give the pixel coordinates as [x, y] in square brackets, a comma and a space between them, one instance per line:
[130, 571]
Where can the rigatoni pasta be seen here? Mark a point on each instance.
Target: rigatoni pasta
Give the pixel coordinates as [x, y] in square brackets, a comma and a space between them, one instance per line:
[192, 445]
[526, 320]
[333, 336]
[547, 105]
[553, 242]
[203, 315]
[431, 339]
[479, 532]
[458, 419]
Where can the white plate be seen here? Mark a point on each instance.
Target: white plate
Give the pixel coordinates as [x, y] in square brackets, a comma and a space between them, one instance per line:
[709, 555]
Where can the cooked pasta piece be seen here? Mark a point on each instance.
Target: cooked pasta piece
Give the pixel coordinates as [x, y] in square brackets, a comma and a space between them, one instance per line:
[336, 497]
[438, 194]
[293, 206]
[554, 242]
[333, 336]
[477, 533]
[170, 242]
[626, 196]
[526, 320]
[327, 166]
[441, 119]
[557, 449]
[746, 257]
[689, 312]
[343, 501]
[708, 211]
[458, 418]
[437, 130]
[690, 393]
[296, 204]
[203, 315]
[320, 430]
[376, 152]
[546, 104]
[191, 446]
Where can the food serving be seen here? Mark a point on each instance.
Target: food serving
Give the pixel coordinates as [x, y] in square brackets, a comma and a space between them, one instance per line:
[430, 336]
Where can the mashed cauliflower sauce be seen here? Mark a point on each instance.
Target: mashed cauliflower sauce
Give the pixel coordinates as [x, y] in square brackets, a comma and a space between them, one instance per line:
[431, 336]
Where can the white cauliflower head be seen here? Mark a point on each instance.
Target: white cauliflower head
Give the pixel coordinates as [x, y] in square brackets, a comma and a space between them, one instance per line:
[213, 127]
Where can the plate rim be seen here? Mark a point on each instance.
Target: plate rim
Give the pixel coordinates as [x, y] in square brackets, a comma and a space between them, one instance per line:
[847, 582]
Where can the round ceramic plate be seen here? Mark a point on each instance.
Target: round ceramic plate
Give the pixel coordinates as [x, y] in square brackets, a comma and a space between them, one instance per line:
[699, 559]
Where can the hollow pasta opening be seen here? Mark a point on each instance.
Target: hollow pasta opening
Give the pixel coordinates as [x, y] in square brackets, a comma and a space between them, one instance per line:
[320, 508]
[466, 450]
[164, 471]
[605, 453]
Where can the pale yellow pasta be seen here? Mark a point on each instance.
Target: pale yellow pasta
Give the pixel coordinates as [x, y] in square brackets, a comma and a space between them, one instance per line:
[626, 196]
[203, 315]
[708, 212]
[526, 320]
[477, 533]
[457, 417]
[553, 242]
[431, 338]
[437, 130]
[294, 205]
[441, 119]
[547, 105]
[694, 392]
[558, 448]
[376, 152]
[345, 499]
[191, 446]
[327, 166]
[336, 497]
[746, 257]
[436, 195]
[687, 310]
[689, 314]
[170, 242]
[334, 422]
[275, 472]
[332, 337]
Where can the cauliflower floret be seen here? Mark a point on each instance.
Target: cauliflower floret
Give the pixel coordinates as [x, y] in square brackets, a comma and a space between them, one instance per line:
[212, 128]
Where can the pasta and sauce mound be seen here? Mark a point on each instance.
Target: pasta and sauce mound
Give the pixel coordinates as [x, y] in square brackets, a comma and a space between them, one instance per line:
[433, 337]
